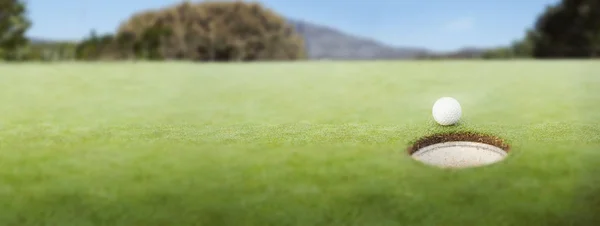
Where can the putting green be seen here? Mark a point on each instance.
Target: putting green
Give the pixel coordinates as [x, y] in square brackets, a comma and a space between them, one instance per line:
[315, 143]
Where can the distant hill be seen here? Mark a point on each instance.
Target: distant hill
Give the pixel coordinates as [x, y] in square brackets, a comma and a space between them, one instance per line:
[324, 42]
[464, 53]
[35, 40]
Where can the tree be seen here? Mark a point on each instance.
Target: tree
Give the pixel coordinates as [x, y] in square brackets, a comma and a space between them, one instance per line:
[150, 42]
[126, 45]
[524, 48]
[569, 29]
[13, 25]
[499, 53]
[95, 47]
[88, 48]
[210, 31]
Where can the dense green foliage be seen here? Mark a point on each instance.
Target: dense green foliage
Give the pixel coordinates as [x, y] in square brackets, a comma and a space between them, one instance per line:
[93, 47]
[569, 29]
[207, 31]
[210, 31]
[55, 51]
[518, 49]
[13, 25]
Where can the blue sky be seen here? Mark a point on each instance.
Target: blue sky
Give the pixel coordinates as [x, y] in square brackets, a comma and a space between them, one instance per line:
[441, 25]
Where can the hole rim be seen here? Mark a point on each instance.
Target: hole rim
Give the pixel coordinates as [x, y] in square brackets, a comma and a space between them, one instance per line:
[465, 136]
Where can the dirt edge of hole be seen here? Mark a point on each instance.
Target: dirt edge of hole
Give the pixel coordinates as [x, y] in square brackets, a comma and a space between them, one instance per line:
[459, 136]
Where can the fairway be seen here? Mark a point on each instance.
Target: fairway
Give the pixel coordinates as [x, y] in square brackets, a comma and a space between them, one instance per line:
[308, 143]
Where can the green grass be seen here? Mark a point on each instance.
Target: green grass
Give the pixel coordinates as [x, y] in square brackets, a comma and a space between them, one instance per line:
[319, 143]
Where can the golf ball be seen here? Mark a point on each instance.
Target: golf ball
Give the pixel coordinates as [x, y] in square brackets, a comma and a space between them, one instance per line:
[446, 111]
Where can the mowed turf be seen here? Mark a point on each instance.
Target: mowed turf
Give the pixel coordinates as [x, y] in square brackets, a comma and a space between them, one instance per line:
[319, 143]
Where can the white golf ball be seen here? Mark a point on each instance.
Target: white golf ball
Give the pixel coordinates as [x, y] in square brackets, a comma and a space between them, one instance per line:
[446, 111]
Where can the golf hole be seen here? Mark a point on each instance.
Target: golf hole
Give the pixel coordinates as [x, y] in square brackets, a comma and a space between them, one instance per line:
[459, 150]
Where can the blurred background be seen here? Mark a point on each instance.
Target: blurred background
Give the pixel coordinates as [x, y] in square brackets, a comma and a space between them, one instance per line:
[282, 30]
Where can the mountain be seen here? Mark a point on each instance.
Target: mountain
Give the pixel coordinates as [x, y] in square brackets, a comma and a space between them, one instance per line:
[324, 42]
[34, 40]
[464, 53]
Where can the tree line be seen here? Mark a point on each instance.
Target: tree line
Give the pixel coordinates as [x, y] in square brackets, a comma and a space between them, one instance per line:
[247, 31]
[569, 29]
[206, 31]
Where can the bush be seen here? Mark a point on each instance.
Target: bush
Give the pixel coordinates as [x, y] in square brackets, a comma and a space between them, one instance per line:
[209, 31]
